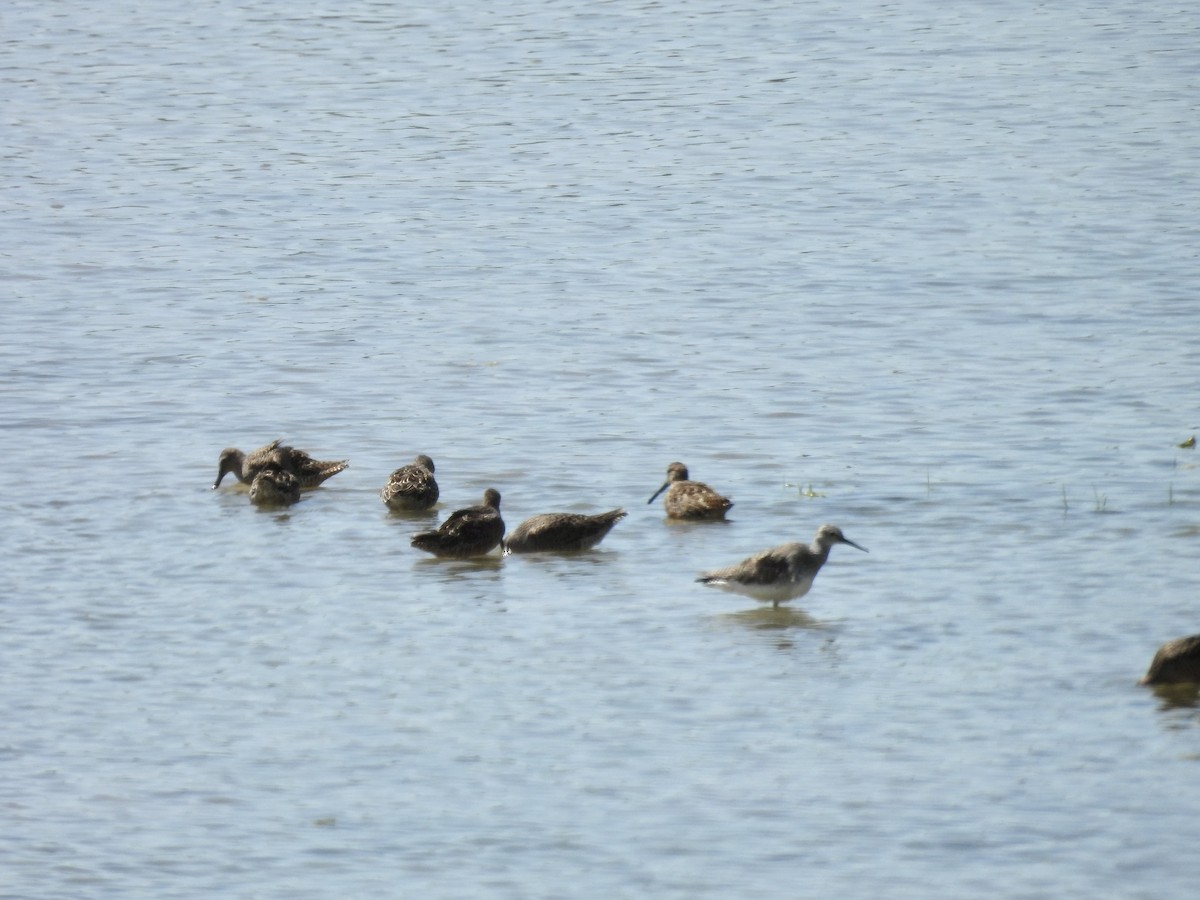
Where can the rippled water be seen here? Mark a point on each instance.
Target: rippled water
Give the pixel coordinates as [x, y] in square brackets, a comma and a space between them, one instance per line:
[925, 272]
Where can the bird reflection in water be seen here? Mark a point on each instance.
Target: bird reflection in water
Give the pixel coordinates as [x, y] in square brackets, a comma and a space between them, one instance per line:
[1185, 695]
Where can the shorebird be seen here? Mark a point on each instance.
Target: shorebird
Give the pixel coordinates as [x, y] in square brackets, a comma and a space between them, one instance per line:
[411, 487]
[561, 532]
[308, 471]
[782, 573]
[474, 531]
[1175, 662]
[272, 487]
[690, 499]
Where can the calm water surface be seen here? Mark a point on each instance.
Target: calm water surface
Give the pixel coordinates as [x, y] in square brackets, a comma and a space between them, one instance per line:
[926, 272]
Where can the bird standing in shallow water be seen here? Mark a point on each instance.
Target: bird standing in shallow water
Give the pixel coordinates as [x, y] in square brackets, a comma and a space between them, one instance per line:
[412, 487]
[782, 573]
[562, 532]
[245, 466]
[474, 531]
[690, 499]
[274, 488]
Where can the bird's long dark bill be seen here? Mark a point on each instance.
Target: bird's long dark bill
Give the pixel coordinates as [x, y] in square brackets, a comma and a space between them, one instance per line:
[856, 546]
[666, 484]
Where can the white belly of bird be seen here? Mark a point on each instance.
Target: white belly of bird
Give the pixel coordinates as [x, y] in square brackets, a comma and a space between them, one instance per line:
[768, 592]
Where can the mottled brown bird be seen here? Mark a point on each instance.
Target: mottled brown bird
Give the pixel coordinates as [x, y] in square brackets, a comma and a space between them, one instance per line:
[275, 455]
[274, 488]
[562, 532]
[474, 531]
[690, 499]
[412, 487]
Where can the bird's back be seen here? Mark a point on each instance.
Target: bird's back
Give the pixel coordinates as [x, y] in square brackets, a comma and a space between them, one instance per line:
[411, 488]
[474, 531]
[562, 531]
[272, 487]
[695, 500]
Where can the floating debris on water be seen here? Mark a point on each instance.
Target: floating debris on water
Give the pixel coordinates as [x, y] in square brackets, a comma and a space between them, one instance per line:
[806, 491]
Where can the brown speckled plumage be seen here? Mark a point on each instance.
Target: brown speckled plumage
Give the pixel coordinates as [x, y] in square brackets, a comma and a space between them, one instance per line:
[272, 487]
[690, 499]
[411, 487]
[309, 472]
[474, 531]
[561, 532]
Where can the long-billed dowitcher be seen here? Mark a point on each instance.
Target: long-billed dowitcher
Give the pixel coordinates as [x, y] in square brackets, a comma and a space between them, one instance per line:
[411, 487]
[474, 531]
[272, 487]
[561, 532]
[275, 455]
[1176, 662]
[782, 573]
[690, 499]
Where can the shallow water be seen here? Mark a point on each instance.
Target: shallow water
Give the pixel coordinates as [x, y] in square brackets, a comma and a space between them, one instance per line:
[925, 273]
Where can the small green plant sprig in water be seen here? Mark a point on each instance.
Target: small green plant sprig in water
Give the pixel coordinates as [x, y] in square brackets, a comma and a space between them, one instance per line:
[806, 491]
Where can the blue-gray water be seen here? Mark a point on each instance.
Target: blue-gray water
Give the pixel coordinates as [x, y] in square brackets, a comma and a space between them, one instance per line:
[927, 271]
